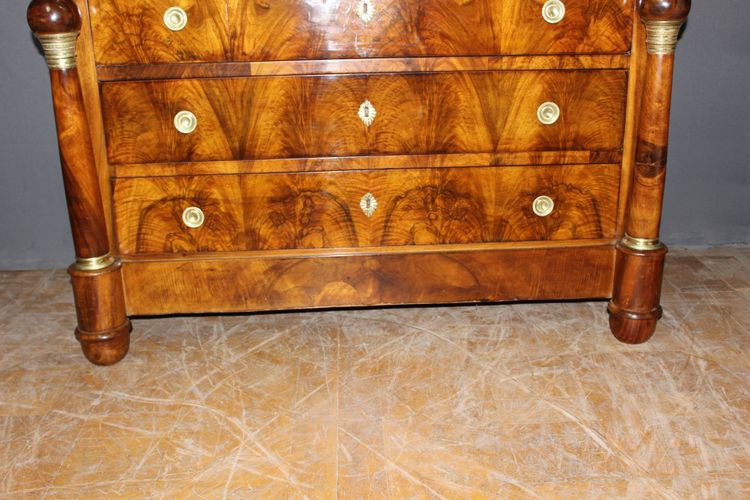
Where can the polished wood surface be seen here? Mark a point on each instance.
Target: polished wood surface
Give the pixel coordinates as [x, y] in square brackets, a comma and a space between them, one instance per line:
[288, 29]
[390, 162]
[103, 327]
[133, 31]
[280, 159]
[293, 117]
[415, 207]
[369, 66]
[391, 278]
[634, 308]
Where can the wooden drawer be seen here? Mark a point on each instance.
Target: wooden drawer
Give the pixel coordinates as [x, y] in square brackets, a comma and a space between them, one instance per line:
[291, 29]
[137, 31]
[325, 210]
[299, 117]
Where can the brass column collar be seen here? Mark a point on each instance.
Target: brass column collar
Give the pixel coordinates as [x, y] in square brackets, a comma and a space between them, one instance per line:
[59, 49]
[94, 263]
[641, 244]
[661, 36]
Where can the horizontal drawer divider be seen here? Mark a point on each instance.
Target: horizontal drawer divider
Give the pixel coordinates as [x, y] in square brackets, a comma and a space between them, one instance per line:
[272, 166]
[367, 251]
[356, 66]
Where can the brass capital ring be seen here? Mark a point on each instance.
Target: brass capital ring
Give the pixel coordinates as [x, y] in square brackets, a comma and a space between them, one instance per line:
[94, 263]
[641, 244]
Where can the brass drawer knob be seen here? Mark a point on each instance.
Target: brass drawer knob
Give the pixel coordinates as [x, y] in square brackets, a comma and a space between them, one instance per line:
[548, 113]
[543, 206]
[368, 204]
[553, 11]
[367, 113]
[366, 10]
[175, 19]
[193, 217]
[185, 122]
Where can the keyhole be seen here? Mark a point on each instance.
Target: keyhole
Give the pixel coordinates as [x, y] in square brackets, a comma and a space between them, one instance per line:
[364, 8]
[367, 111]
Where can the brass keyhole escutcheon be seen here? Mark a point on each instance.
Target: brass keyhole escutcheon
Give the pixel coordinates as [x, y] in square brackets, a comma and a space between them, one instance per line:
[366, 10]
[368, 204]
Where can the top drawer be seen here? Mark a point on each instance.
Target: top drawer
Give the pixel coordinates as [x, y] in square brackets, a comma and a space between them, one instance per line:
[138, 31]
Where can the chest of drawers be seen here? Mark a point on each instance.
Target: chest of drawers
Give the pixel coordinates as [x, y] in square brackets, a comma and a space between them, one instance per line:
[247, 155]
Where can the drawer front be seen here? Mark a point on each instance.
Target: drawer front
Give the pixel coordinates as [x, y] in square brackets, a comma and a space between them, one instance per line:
[364, 208]
[335, 116]
[159, 31]
[147, 31]
[318, 29]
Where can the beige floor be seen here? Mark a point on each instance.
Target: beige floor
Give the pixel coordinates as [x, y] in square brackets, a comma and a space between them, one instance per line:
[502, 401]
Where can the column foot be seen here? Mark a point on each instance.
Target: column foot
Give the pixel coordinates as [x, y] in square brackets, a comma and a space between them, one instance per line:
[103, 327]
[634, 309]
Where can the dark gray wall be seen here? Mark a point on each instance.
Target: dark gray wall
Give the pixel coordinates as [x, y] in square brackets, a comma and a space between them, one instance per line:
[708, 190]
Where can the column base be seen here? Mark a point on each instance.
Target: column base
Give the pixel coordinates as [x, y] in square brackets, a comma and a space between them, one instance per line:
[634, 309]
[103, 327]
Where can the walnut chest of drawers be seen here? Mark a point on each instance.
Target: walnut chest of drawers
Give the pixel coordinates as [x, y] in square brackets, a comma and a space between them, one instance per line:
[246, 155]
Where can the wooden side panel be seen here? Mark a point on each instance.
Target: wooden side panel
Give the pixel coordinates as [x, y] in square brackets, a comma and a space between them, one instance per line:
[319, 29]
[299, 117]
[415, 207]
[266, 283]
[133, 31]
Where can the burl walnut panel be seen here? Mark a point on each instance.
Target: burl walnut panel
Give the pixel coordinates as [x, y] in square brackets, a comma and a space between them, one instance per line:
[289, 29]
[297, 117]
[415, 207]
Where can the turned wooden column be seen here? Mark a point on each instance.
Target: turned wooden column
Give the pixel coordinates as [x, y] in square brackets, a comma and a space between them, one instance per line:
[103, 327]
[634, 308]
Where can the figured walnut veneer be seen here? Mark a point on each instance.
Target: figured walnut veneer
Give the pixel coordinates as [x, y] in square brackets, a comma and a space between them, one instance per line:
[416, 207]
[132, 31]
[286, 193]
[302, 117]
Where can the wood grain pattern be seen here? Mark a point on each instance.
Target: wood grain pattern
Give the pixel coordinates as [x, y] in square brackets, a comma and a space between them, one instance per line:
[416, 207]
[288, 282]
[297, 117]
[133, 31]
[347, 66]
[288, 29]
[390, 162]
[634, 308]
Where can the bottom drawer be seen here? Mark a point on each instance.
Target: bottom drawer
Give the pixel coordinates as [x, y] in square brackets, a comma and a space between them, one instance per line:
[223, 213]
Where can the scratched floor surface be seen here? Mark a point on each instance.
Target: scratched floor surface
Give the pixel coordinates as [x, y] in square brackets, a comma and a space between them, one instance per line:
[499, 401]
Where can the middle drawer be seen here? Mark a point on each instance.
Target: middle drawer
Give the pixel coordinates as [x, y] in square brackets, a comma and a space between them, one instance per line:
[354, 115]
[227, 213]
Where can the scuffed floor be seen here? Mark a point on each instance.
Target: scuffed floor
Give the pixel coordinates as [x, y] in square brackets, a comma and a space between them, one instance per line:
[501, 401]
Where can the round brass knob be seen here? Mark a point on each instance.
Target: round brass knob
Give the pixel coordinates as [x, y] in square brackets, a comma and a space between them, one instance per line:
[553, 11]
[185, 122]
[548, 113]
[193, 217]
[175, 18]
[543, 206]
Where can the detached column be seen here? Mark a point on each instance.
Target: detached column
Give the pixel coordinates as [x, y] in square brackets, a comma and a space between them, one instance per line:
[103, 328]
[635, 309]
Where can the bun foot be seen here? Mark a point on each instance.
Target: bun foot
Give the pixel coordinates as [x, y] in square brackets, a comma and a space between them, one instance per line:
[634, 309]
[632, 328]
[103, 327]
[105, 348]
